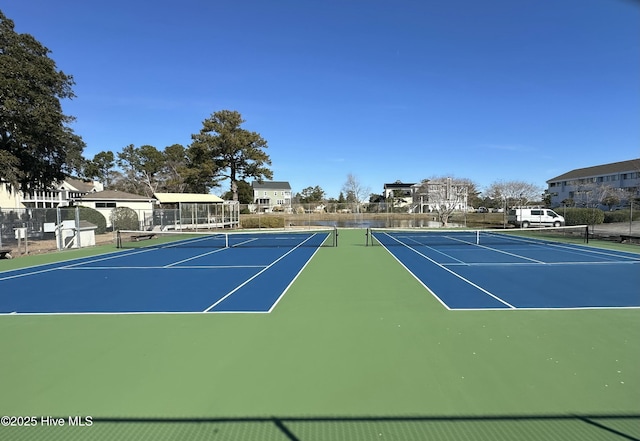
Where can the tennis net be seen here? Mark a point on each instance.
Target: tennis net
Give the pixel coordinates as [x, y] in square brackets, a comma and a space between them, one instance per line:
[235, 239]
[456, 237]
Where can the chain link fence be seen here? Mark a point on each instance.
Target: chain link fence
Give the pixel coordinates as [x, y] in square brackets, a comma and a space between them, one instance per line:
[341, 215]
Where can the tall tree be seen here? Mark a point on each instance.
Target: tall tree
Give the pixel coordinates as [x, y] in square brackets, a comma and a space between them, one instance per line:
[311, 194]
[245, 193]
[37, 147]
[175, 164]
[236, 153]
[101, 167]
[142, 167]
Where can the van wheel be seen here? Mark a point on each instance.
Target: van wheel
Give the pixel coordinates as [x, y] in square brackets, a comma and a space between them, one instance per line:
[525, 224]
[556, 224]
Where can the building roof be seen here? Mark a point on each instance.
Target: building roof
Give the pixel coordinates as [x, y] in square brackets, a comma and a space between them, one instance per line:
[114, 195]
[399, 184]
[600, 170]
[271, 185]
[174, 198]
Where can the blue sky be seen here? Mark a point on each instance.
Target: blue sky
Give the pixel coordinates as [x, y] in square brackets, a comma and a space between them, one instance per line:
[386, 90]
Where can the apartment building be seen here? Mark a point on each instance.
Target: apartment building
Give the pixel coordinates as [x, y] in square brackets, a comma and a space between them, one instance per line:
[592, 185]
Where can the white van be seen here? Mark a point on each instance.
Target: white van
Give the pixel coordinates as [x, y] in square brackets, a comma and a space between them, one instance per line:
[539, 217]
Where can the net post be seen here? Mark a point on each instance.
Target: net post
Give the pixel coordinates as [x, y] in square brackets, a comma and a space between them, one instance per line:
[118, 239]
[586, 234]
[226, 240]
[335, 236]
[477, 237]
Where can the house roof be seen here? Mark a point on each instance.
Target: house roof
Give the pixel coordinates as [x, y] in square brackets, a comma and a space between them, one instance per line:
[600, 170]
[114, 195]
[77, 184]
[174, 198]
[271, 185]
[399, 184]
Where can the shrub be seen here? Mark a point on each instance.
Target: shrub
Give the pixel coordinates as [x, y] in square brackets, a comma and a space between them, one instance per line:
[94, 217]
[124, 218]
[86, 214]
[620, 216]
[582, 216]
[263, 221]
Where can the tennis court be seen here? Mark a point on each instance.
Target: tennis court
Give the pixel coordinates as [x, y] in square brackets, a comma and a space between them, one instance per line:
[356, 349]
[519, 269]
[168, 273]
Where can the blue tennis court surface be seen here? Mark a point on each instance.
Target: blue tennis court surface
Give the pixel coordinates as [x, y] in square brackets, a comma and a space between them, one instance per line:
[516, 273]
[166, 278]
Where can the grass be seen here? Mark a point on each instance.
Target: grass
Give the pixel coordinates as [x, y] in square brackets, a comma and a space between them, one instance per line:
[356, 350]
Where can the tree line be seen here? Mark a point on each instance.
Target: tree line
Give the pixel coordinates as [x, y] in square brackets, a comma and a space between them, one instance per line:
[221, 150]
[38, 147]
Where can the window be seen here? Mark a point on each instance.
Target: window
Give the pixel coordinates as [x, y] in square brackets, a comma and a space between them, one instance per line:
[105, 205]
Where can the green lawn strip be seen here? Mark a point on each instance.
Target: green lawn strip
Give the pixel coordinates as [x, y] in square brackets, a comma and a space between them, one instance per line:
[355, 335]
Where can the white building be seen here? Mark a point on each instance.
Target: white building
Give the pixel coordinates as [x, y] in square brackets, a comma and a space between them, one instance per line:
[592, 185]
[105, 202]
[438, 195]
[400, 193]
[58, 195]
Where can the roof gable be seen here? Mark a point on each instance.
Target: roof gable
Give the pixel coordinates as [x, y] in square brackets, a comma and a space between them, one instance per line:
[77, 185]
[271, 185]
[599, 170]
[399, 184]
[114, 195]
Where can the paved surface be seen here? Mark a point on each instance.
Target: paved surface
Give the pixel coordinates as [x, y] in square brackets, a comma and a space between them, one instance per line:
[617, 229]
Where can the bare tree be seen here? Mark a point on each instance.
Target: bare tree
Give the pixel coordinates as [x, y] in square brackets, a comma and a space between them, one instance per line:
[355, 191]
[514, 192]
[591, 194]
[443, 195]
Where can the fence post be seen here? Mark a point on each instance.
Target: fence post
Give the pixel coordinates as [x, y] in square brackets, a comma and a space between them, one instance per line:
[78, 242]
[58, 229]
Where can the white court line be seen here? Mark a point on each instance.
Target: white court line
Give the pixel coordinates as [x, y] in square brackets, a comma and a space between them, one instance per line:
[451, 272]
[539, 262]
[433, 293]
[194, 257]
[574, 248]
[18, 314]
[475, 245]
[257, 274]
[435, 250]
[293, 280]
[608, 262]
[121, 268]
[587, 250]
[71, 266]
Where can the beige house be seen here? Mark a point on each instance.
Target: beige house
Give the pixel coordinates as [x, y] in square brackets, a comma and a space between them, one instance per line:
[271, 196]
